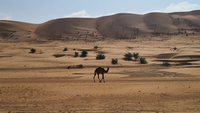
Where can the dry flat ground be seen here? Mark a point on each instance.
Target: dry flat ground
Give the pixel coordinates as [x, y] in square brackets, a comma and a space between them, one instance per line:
[41, 82]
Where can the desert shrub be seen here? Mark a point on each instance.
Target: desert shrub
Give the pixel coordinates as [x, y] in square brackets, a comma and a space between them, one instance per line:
[128, 56]
[32, 50]
[65, 49]
[75, 54]
[136, 55]
[84, 53]
[74, 49]
[114, 61]
[142, 60]
[100, 56]
[174, 48]
[95, 47]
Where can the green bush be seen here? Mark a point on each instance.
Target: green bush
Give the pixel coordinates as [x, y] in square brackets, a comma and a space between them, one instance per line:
[84, 53]
[128, 56]
[136, 55]
[142, 60]
[95, 47]
[100, 56]
[65, 49]
[174, 48]
[33, 50]
[114, 61]
[76, 54]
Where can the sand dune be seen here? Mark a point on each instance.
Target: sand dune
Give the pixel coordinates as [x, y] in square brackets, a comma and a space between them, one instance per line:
[17, 30]
[115, 26]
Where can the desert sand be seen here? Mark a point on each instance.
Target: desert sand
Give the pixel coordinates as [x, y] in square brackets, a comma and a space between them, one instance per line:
[43, 82]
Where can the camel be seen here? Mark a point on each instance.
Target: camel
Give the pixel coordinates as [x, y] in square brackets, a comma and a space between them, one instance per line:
[98, 71]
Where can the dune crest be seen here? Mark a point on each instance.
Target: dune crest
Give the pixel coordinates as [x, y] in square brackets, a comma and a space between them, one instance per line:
[117, 26]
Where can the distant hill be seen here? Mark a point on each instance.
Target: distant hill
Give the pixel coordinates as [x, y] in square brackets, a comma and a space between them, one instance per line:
[121, 25]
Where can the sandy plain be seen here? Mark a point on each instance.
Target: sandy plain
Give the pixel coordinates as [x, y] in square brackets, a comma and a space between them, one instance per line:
[41, 82]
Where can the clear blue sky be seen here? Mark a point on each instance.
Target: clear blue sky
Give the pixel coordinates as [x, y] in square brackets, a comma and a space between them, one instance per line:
[39, 11]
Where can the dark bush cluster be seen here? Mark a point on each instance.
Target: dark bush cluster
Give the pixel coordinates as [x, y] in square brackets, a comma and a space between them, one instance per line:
[114, 61]
[136, 55]
[32, 50]
[100, 56]
[128, 56]
[65, 49]
[84, 53]
[95, 47]
[76, 54]
[142, 60]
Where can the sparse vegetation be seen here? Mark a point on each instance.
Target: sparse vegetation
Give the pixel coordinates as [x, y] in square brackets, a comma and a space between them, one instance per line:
[65, 49]
[33, 50]
[136, 55]
[128, 56]
[100, 56]
[114, 61]
[76, 54]
[95, 47]
[142, 60]
[84, 53]
[175, 48]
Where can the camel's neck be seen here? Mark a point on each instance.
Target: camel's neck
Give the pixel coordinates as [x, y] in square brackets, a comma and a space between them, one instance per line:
[107, 70]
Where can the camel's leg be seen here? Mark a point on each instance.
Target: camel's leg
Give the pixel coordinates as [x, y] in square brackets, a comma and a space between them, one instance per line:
[103, 78]
[94, 76]
[98, 77]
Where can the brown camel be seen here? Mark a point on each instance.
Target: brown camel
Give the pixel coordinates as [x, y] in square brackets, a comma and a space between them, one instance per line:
[98, 71]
